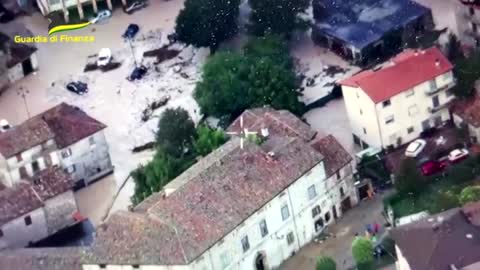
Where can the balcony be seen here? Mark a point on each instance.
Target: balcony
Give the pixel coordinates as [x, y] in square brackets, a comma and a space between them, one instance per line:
[441, 106]
[430, 92]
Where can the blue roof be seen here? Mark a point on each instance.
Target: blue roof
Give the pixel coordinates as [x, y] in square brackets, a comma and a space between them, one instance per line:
[362, 22]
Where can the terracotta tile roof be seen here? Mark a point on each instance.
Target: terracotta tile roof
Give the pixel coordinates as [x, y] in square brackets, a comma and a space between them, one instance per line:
[468, 110]
[65, 258]
[131, 238]
[23, 137]
[279, 122]
[439, 241]
[64, 123]
[30, 194]
[220, 195]
[70, 124]
[335, 156]
[408, 70]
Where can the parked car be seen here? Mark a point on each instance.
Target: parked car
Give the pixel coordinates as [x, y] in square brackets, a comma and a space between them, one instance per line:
[104, 57]
[131, 31]
[432, 167]
[4, 125]
[415, 148]
[136, 5]
[137, 73]
[458, 155]
[79, 88]
[102, 15]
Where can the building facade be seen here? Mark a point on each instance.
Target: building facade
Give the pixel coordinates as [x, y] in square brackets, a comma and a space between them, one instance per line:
[64, 136]
[240, 207]
[467, 14]
[466, 114]
[395, 104]
[50, 6]
[36, 208]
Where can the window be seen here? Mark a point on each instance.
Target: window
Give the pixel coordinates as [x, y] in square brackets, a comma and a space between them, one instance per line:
[433, 85]
[327, 217]
[474, 27]
[312, 192]
[357, 94]
[245, 243]
[447, 76]
[449, 92]
[386, 103]
[263, 228]
[389, 119]
[435, 101]
[102, 266]
[361, 112]
[224, 259]
[471, 11]
[19, 157]
[364, 131]
[409, 130]
[66, 153]
[342, 192]
[409, 93]
[1, 233]
[356, 140]
[290, 238]
[28, 220]
[316, 211]
[285, 212]
[413, 110]
[136, 266]
[91, 141]
[338, 175]
[35, 166]
[71, 169]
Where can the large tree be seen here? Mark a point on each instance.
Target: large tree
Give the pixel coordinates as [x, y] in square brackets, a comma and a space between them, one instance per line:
[261, 75]
[276, 16]
[454, 49]
[467, 72]
[206, 23]
[208, 140]
[176, 132]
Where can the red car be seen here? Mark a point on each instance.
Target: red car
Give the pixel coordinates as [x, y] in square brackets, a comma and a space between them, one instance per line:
[432, 167]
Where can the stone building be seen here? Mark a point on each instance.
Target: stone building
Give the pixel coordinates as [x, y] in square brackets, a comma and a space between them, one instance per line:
[65, 136]
[247, 207]
[36, 207]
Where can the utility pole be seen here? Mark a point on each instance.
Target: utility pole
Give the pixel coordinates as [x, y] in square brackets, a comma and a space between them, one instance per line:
[133, 52]
[22, 92]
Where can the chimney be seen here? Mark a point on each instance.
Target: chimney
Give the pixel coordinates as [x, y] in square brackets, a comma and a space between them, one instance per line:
[271, 156]
[264, 132]
[437, 62]
[416, 52]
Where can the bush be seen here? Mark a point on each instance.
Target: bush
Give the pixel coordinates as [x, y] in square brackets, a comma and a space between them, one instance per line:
[408, 179]
[362, 250]
[469, 194]
[325, 263]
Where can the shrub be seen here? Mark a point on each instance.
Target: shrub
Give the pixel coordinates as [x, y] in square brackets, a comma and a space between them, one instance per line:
[362, 250]
[325, 263]
[469, 194]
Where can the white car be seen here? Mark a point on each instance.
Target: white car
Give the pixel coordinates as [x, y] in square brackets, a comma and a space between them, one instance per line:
[4, 125]
[457, 155]
[101, 16]
[415, 148]
[104, 57]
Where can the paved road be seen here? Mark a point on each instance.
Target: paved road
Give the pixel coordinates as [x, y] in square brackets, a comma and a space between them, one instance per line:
[339, 247]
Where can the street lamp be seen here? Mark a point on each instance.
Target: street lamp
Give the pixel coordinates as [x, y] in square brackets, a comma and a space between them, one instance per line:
[133, 53]
[22, 92]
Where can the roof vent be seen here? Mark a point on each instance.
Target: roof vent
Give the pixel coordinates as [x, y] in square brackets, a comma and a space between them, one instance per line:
[437, 62]
[271, 154]
[469, 236]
